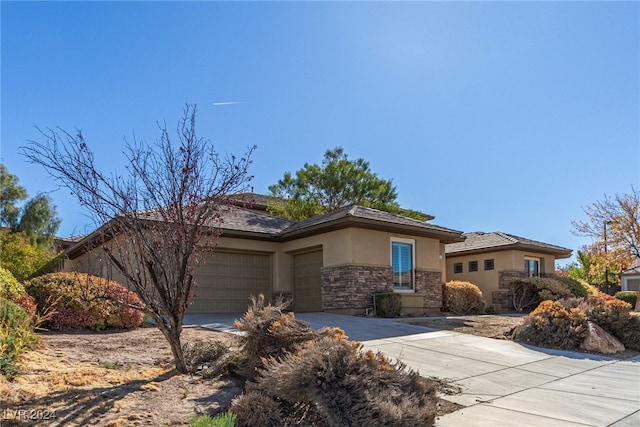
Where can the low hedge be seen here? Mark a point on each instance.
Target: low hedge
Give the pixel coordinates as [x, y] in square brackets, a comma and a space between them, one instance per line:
[462, 298]
[83, 301]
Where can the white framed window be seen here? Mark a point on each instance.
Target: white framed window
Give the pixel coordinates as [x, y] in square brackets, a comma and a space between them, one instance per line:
[403, 261]
[532, 266]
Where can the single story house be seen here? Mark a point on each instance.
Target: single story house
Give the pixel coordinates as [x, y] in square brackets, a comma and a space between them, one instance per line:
[630, 279]
[336, 262]
[490, 260]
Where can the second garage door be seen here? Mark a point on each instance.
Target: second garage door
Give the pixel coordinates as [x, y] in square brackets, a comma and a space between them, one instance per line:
[307, 281]
[227, 279]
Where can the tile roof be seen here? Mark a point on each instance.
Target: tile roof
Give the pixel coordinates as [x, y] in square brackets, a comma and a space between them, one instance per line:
[252, 223]
[485, 242]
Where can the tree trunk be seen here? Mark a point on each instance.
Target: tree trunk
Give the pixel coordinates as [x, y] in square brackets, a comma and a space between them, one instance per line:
[172, 334]
[638, 302]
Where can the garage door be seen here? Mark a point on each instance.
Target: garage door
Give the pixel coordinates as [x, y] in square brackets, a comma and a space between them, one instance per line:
[307, 283]
[227, 279]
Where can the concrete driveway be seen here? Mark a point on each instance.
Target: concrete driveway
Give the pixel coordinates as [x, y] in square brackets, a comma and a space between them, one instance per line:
[503, 383]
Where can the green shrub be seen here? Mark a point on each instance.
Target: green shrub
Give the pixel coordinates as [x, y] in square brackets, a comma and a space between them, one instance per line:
[332, 382]
[629, 297]
[84, 301]
[552, 325]
[388, 304]
[576, 287]
[16, 336]
[12, 290]
[528, 292]
[462, 298]
[228, 419]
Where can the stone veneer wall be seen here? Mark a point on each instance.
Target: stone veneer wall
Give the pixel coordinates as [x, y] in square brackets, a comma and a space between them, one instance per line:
[429, 283]
[353, 286]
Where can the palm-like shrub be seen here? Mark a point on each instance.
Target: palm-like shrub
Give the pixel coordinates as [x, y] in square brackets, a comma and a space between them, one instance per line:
[84, 301]
[461, 297]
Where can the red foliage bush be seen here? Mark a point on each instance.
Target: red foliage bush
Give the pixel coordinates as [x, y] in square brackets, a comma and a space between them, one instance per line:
[84, 301]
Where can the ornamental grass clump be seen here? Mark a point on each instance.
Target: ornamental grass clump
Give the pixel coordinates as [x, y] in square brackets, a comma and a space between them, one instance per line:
[83, 301]
[462, 298]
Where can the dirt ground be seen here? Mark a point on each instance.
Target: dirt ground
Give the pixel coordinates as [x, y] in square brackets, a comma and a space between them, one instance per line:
[110, 379]
[127, 378]
[485, 326]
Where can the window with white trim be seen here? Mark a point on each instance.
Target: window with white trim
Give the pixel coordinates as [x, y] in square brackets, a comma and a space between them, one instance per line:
[403, 264]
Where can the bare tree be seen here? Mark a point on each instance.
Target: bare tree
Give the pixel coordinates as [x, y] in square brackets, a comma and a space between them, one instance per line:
[614, 224]
[158, 217]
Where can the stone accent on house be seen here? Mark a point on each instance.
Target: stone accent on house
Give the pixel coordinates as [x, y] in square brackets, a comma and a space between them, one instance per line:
[505, 276]
[353, 287]
[501, 298]
[429, 283]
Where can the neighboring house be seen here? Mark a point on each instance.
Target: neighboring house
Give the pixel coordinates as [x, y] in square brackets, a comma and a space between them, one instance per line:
[630, 279]
[490, 260]
[334, 262]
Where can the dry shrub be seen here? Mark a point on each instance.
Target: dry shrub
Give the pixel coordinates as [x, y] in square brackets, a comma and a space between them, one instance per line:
[211, 359]
[270, 332]
[462, 298]
[302, 377]
[552, 325]
[613, 315]
[332, 382]
[84, 301]
[256, 410]
[528, 292]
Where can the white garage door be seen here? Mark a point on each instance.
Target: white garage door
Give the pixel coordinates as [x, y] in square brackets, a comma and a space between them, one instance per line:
[227, 279]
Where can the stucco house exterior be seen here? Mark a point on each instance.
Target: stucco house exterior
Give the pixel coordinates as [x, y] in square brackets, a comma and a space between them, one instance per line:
[334, 262]
[490, 260]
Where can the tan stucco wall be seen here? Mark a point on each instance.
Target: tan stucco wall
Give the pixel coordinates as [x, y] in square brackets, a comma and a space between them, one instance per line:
[487, 281]
[350, 246]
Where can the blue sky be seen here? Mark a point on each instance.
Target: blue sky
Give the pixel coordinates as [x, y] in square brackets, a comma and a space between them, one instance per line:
[492, 116]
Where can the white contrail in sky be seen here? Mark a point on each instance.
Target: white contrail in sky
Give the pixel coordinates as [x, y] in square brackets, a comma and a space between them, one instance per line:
[217, 104]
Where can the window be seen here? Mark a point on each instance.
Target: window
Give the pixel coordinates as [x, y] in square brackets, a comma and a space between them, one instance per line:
[532, 267]
[402, 261]
[488, 264]
[473, 265]
[457, 267]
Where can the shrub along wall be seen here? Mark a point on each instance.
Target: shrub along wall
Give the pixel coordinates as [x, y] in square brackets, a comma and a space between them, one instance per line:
[80, 300]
